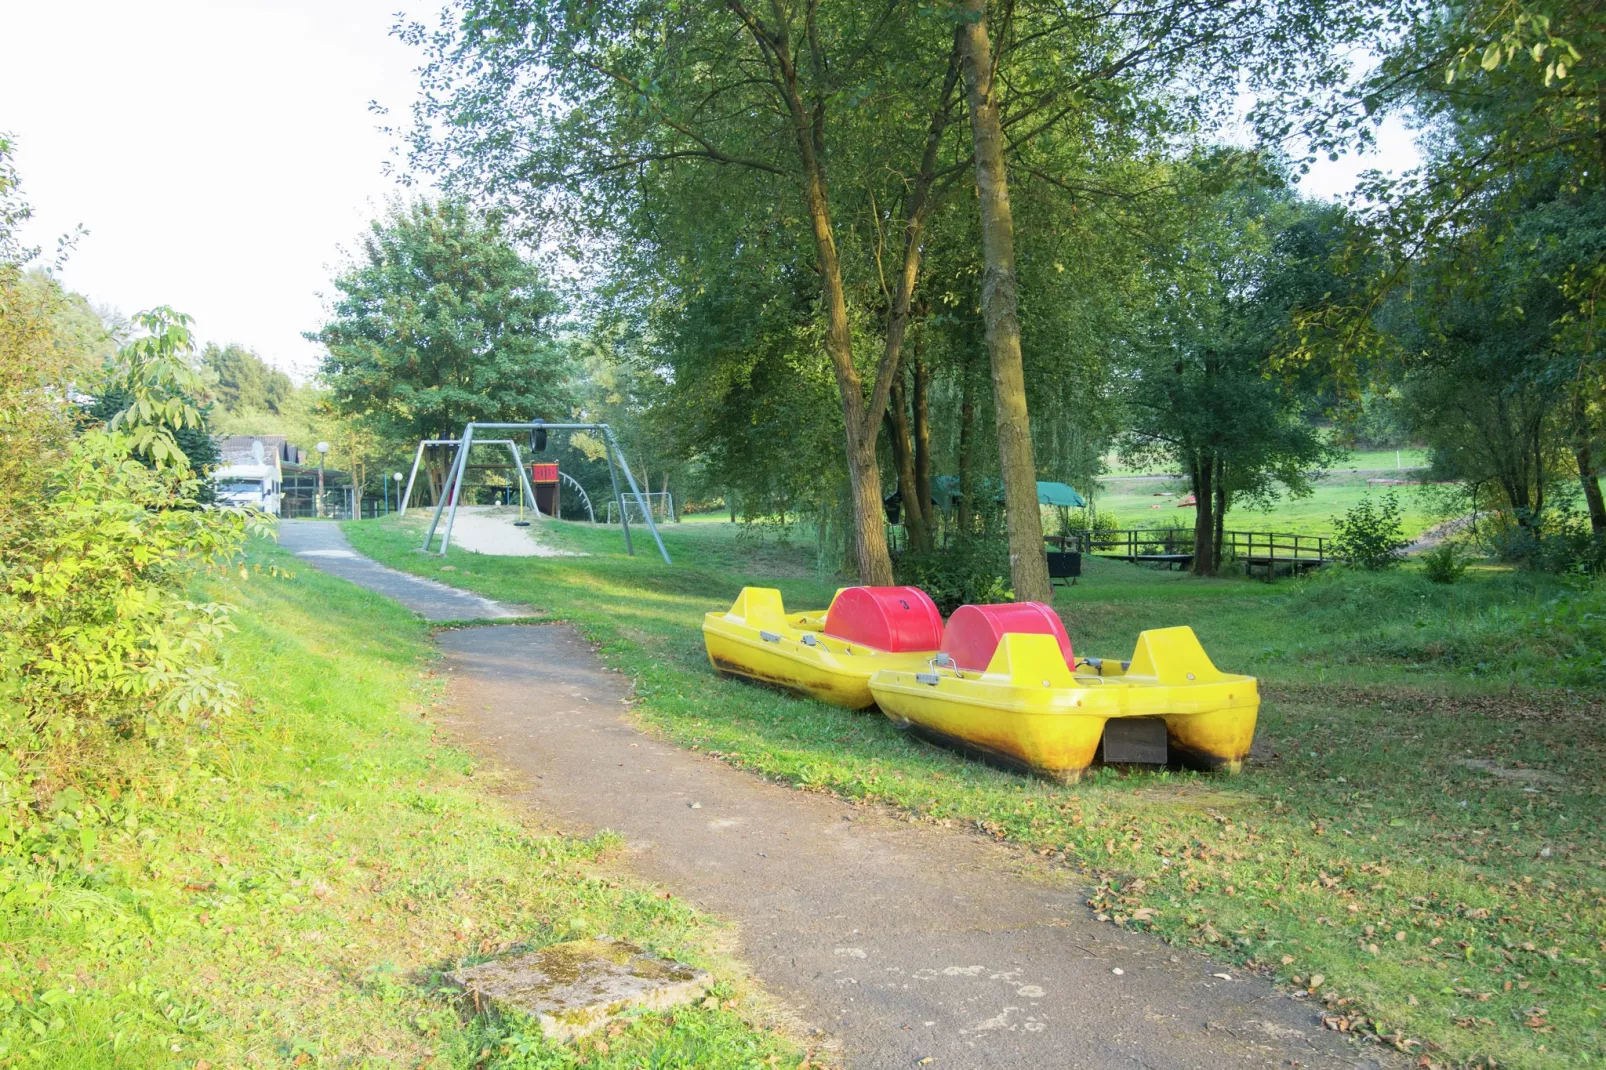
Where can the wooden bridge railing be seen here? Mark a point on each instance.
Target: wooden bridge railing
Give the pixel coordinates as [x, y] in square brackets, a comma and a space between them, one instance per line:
[1267, 549]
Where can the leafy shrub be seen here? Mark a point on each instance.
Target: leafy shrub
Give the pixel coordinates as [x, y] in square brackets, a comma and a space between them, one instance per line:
[1561, 541]
[1086, 520]
[1445, 563]
[970, 571]
[1371, 535]
[101, 645]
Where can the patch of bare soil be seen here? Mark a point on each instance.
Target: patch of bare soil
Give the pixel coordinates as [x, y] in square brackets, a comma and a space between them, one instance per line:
[1549, 705]
[1518, 772]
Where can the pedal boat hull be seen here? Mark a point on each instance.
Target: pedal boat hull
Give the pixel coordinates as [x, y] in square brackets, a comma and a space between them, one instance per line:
[757, 639]
[1029, 710]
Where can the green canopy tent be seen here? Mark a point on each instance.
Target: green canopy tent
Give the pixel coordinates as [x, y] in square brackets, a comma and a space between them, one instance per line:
[1062, 495]
[945, 491]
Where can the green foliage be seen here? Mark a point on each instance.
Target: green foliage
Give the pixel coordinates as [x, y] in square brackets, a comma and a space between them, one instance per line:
[440, 321]
[662, 133]
[100, 639]
[1371, 534]
[50, 341]
[294, 880]
[1477, 277]
[154, 372]
[1562, 541]
[972, 571]
[194, 441]
[1202, 398]
[244, 382]
[1444, 563]
[1088, 520]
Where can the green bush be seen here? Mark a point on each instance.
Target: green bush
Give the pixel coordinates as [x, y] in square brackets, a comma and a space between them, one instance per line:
[969, 572]
[1445, 563]
[1560, 541]
[98, 635]
[1371, 535]
[1087, 520]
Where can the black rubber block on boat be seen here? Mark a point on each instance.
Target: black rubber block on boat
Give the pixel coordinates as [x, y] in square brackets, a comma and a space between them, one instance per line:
[1135, 739]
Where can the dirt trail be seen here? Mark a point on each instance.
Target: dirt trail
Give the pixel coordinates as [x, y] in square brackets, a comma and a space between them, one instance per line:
[901, 942]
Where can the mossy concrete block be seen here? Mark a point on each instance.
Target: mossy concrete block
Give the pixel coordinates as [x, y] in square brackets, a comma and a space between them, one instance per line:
[576, 987]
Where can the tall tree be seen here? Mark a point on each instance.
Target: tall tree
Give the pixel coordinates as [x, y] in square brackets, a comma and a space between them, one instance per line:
[829, 119]
[50, 344]
[1201, 394]
[1513, 98]
[776, 94]
[1027, 564]
[440, 321]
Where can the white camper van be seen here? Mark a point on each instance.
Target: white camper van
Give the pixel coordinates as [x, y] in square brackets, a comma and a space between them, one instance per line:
[253, 481]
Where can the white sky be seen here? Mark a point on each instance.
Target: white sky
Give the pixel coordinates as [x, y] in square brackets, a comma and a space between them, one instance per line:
[221, 154]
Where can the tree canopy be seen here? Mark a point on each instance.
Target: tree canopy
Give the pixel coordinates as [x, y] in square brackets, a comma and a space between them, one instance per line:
[440, 320]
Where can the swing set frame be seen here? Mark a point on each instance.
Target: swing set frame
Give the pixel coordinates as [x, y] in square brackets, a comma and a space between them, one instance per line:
[454, 479]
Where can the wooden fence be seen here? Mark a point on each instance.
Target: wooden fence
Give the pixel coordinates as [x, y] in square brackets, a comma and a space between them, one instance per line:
[1266, 550]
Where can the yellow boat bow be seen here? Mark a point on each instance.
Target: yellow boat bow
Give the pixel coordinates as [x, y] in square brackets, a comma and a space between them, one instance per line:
[756, 638]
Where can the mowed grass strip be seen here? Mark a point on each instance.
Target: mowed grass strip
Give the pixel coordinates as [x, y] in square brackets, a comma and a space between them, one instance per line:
[287, 888]
[1417, 845]
[1147, 503]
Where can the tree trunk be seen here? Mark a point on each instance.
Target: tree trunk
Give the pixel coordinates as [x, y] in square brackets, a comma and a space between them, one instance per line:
[1221, 512]
[1027, 563]
[864, 474]
[1584, 454]
[922, 437]
[1204, 515]
[967, 437]
[435, 472]
[860, 427]
[917, 208]
[1591, 481]
[897, 421]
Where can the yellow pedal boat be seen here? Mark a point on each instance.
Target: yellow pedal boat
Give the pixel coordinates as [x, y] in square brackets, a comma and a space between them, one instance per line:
[1030, 709]
[827, 654]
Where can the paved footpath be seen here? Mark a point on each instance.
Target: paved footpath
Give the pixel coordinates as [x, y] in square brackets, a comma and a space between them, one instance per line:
[902, 942]
[322, 544]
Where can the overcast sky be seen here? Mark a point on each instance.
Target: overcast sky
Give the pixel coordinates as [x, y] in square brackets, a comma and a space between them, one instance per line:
[221, 154]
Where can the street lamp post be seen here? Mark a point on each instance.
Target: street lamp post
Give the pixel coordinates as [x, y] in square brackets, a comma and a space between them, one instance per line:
[397, 476]
[323, 450]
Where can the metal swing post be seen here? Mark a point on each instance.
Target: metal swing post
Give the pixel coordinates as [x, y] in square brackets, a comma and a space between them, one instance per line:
[401, 508]
[640, 501]
[449, 481]
[613, 477]
[454, 492]
[457, 488]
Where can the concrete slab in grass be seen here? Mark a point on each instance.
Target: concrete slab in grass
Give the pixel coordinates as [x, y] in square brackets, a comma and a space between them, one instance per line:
[577, 987]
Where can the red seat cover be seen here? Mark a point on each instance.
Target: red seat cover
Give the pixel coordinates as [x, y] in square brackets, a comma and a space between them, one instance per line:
[895, 619]
[974, 632]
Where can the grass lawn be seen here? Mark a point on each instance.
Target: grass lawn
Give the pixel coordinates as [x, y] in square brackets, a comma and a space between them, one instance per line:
[1368, 858]
[1365, 460]
[288, 888]
[1137, 503]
